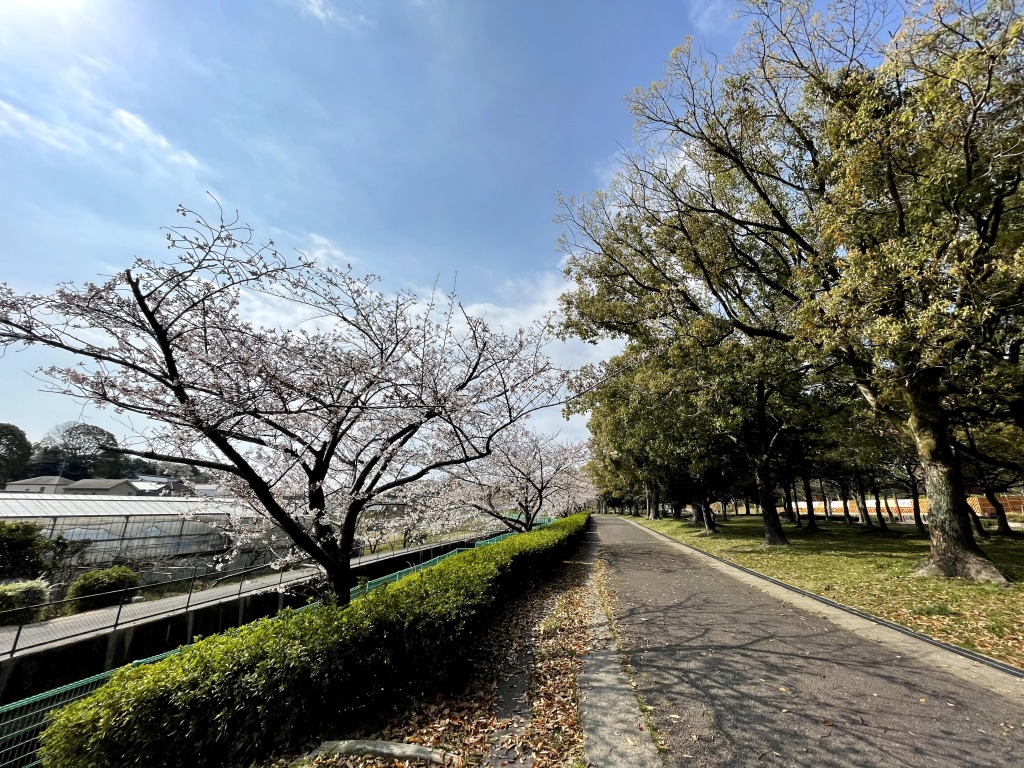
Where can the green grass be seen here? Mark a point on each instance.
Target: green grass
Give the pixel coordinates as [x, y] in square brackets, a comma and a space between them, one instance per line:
[870, 571]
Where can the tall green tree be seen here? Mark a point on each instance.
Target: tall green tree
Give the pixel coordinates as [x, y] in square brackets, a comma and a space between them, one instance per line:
[846, 184]
[15, 451]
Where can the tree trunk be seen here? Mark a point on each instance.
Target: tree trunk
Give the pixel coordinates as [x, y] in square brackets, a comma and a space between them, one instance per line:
[844, 491]
[746, 506]
[1003, 524]
[878, 503]
[825, 504]
[954, 551]
[915, 500]
[888, 509]
[812, 523]
[976, 522]
[862, 500]
[773, 534]
[709, 518]
[787, 503]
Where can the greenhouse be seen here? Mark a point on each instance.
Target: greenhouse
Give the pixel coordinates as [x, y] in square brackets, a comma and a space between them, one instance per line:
[126, 527]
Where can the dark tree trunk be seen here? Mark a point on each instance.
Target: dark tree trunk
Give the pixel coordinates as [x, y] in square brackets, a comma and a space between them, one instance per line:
[812, 523]
[888, 509]
[976, 522]
[709, 518]
[825, 503]
[844, 491]
[878, 503]
[915, 500]
[1003, 525]
[677, 510]
[954, 551]
[773, 533]
[787, 503]
[862, 500]
[746, 506]
[796, 504]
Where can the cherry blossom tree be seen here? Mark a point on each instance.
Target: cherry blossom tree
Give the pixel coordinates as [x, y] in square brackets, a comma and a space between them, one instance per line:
[526, 473]
[314, 390]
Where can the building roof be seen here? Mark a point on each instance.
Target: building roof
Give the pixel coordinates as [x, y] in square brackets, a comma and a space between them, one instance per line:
[43, 480]
[98, 484]
[49, 505]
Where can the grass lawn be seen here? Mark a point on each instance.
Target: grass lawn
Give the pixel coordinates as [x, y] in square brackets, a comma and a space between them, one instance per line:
[870, 571]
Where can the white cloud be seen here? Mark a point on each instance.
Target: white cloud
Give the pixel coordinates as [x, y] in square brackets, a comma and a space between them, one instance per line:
[97, 130]
[326, 13]
[713, 17]
[21, 125]
[135, 129]
[324, 250]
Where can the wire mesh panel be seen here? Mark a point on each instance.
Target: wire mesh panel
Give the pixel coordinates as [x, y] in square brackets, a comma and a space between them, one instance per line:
[21, 722]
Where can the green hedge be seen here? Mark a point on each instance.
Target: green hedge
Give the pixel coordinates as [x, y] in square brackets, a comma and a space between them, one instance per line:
[22, 594]
[278, 684]
[102, 588]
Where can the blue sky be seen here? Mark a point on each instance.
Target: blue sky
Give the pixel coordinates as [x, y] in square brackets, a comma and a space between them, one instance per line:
[422, 140]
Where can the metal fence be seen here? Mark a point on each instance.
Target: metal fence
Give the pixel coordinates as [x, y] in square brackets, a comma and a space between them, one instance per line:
[21, 722]
[23, 629]
[65, 619]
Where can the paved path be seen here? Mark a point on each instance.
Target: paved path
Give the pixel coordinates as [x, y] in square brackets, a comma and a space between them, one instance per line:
[32, 637]
[740, 672]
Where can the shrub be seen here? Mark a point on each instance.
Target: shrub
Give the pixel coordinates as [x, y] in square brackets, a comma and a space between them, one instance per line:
[23, 549]
[99, 589]
[277, 684]
[24, 595]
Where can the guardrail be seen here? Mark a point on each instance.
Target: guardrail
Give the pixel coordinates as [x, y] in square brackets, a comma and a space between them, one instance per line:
[61, 619]
[21, 722]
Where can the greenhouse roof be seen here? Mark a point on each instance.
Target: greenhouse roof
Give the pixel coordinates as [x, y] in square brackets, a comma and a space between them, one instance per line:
[48, 505]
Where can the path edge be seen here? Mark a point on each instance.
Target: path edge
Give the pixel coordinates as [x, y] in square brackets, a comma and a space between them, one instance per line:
[615, 729]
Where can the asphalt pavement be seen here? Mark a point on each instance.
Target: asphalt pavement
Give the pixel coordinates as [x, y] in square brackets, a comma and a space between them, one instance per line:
[737, 671]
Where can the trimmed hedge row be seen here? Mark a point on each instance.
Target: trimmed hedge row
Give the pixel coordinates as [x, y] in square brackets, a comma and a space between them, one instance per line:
[278, 684]
[22, 594]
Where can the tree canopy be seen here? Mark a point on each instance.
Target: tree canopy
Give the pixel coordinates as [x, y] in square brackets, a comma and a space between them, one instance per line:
[15, 451]
[311, 390]
[846, 185]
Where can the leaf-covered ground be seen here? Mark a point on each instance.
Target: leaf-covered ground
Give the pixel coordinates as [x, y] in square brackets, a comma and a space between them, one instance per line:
[870, 571]
[521, 710]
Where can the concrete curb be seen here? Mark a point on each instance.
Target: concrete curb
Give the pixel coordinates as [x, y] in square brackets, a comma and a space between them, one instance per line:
[614, 731]
[980, 674]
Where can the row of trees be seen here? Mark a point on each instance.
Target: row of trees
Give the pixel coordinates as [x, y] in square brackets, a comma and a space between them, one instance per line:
[675, 435]
[74, 450]
[835, 209]
[315, 394]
